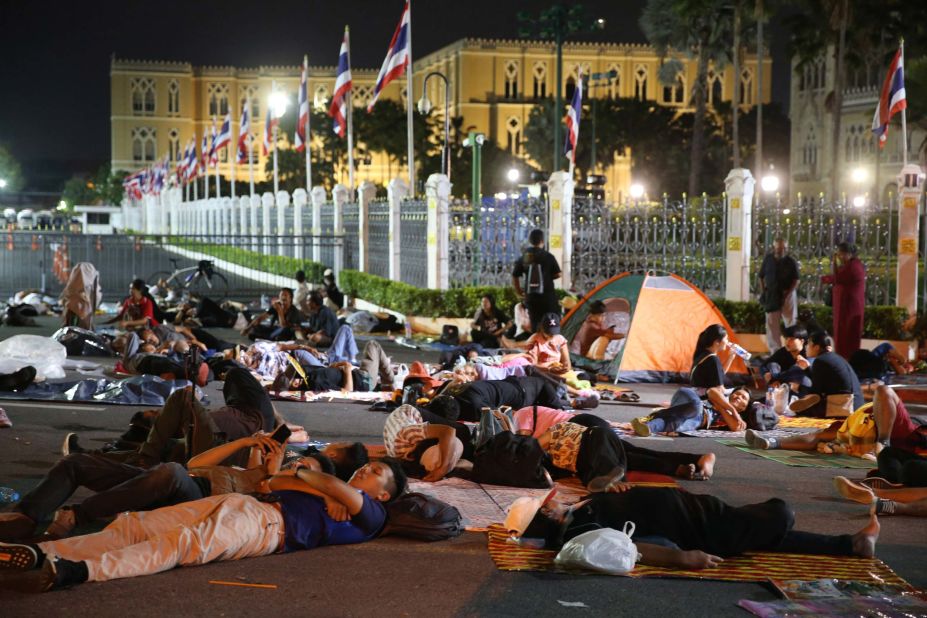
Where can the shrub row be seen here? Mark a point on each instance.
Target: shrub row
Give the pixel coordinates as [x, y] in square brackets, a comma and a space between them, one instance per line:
[272, 264]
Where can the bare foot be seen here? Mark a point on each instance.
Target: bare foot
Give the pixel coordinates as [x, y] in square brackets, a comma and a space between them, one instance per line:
[864, 541]
[706, 465]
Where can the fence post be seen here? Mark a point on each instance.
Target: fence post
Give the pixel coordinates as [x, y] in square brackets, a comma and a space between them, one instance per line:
[267, 202]
[225, 206]
[244, 206]
[909, 195]
[396, 191]
[438, 193]
[151, 204]
[173, 199]
[318, 198]
[365, 194]
[299, 200]
[739, 186]
[283, 200]
[163, 205]
[201, 217]
[560, 224]
[341, 196]
[255, 228]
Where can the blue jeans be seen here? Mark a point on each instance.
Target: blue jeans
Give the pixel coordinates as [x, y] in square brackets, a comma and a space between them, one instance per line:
[343, 347]
[686, 413]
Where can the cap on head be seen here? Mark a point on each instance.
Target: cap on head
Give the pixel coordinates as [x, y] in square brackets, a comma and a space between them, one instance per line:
[550, 323]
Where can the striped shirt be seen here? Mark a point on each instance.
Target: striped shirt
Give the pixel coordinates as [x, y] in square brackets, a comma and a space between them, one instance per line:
[403, 431]
[565, 439]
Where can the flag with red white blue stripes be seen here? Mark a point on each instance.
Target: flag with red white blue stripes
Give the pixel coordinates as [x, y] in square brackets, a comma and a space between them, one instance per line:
[572, 121]
[398, 57]
[303, 107]
[243, 134]
[892, 99]
[225, 133]
[343, 84]
[269, 123]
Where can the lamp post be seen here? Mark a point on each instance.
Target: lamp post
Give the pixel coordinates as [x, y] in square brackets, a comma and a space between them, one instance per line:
[556, 24]
[424, 108]
[278, 102]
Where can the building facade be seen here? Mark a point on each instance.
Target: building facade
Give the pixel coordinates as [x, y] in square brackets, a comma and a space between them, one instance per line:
[158, 106]
[862, 168]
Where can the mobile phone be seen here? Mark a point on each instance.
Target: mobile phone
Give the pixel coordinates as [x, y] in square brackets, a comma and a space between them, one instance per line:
[281, 434]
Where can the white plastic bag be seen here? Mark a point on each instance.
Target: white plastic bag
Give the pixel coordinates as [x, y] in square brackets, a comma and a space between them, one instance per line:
[606, 549]
[43, 353]
[781, 398]
[399, 377]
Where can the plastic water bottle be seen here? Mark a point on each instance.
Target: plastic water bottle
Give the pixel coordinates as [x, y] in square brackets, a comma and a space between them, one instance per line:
[769, 398]
[8, 495]
[408, 330]
[739, 351]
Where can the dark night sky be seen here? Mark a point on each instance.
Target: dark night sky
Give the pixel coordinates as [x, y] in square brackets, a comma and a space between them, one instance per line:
[54, 74]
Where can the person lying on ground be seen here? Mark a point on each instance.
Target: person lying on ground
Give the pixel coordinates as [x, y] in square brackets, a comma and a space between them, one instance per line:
[312, 375]
[323, 323]
[137, 310]
[536, 420]
[428, 444]
[708, 370]
[141, 358]
[588, 447]
[592, 329]
[879, 362]
[309, 509]
[489, 323]
[210, 314]
[121, 487]
[688, 412]
[474, 371]
[894, 427]
[830, 375]
[515, 392]
[885, 498]
[682, 530]
[788, 364]
[284, 320]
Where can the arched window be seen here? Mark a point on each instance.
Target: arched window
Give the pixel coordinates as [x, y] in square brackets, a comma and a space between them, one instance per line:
[746, 87]
[569, 88]
[640, 82]
[809, 154]
[218, 97]
[675, 94]
[173, 98]
[511, 79]
[614, 86]
[320, 98]
[173, 145]
[250, 99]
[144, 144]
[715, 87]
[143, 96]
[540, 79]
[513, 130]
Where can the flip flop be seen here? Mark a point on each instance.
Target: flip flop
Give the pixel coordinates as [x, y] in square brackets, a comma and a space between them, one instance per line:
[629, 397]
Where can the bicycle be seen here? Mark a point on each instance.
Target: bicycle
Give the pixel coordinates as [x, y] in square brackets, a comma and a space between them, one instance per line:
[201, 280]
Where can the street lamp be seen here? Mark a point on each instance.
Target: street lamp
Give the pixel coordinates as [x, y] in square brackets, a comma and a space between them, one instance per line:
[859, 201]
[769, 183]
[513, 175]
[278, 102]
[2, 183]
[637, 191]
[858, 176]
[424, 108]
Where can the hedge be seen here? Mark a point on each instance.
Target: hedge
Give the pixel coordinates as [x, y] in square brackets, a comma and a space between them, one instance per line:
[272, 264]
[880, 322]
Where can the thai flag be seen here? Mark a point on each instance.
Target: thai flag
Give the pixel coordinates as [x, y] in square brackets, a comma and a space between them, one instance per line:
[398, 57]
[892, 99]
[343, 85]
[572, 121]
[303, 110]
[225, 133]
[192, 162]
[181, 168]
[269, 123]
[204, 152]
[243, 134]
[213, 150]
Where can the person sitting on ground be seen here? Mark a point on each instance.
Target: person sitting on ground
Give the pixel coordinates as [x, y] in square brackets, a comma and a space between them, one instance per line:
[894, 427]
[688, 412]
[788, 364]
[489, 323]
[708, 371]
[428, 444]
[138, 309]
[831, 376]
[334, 298]
[312, 509]
[520, 329]
[683, 530]
[284, 320]
[301, 293]
[877, 363]
[593, 328]
[323, 323]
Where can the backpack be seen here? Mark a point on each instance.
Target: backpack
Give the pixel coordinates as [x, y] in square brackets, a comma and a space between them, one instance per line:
[422, 517]
[859, 428]
[534, 279]
[492, 423]
[511, 459]
[760, 417]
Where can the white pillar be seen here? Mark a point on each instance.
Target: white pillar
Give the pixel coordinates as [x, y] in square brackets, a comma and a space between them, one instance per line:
[225, 207]
[173, 201]
[560, 224]
[438, 192]
[338, 231]
[201, 217]
[267, 202]
[255, 229]
[164, 201]
[244, 214]
[233, 216]
[909, 196]
[739, 186]
[283, 200]
[365, 194]
[151, 213]
[397, 191]
[299, 202]
[318, 198]
[214, 206]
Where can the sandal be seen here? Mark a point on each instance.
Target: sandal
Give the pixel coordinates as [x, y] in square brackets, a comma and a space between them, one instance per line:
[629, 397]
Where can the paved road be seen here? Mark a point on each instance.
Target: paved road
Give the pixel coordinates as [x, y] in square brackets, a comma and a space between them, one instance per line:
[397, 577]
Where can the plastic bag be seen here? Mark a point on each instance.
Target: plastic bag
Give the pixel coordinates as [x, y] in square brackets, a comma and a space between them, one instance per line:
[43, 353]
[781, 398]
[606, 549]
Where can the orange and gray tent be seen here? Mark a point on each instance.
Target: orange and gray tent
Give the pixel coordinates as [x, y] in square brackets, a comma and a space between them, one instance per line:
[660, 317]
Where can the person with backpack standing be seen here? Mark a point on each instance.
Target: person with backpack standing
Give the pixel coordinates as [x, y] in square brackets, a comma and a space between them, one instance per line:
[539, 268]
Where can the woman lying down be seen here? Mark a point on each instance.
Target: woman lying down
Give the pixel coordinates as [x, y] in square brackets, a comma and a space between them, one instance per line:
[682, 530]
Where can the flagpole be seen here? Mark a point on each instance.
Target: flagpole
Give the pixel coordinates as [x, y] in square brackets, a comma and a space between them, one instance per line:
[216, 154]
[251, 162]
[409, 115]
[350, 104]
[904, 117]
[273, 90]
[308, 126]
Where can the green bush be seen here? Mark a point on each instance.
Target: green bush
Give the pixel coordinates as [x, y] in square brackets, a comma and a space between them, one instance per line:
[272, 264]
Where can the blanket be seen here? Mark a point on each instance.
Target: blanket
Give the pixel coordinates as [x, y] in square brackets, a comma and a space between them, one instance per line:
[134, 391]
[804, 459]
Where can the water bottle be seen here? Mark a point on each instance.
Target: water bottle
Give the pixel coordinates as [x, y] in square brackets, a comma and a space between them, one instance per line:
[408, 330]
[739, 351]
[265, 302]
[8, 495]
[769, 398]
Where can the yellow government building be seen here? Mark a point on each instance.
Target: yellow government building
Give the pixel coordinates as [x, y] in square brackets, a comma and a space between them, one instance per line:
[158, 106]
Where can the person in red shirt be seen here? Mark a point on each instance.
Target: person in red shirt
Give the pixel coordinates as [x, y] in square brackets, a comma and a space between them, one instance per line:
[849, 280]
[138, 309]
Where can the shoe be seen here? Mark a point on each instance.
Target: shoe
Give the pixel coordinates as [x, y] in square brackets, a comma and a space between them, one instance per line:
[5, 422]
[18, 557]
[202, 374]
[601, 484]
[763, 442]
[52, 575]
[585, 403]
[853, 491]
[641, 427]
[877, 482]
[70, 445]
[750, 437]
[241, 322]
[15, 526]
[800, 405]
[63, 524]
[19, 379]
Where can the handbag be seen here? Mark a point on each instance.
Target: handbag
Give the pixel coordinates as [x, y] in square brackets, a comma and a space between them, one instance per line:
[511, 459]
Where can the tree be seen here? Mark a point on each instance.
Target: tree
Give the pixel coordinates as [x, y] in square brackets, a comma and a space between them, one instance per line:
[108, 185]
[702, 29]
[10, 171]
[79, 191]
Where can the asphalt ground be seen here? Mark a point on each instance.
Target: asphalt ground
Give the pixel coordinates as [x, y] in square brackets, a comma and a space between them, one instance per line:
[397, 577]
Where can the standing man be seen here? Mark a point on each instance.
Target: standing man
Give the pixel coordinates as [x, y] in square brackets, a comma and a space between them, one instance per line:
[539, 268]
[779, 284]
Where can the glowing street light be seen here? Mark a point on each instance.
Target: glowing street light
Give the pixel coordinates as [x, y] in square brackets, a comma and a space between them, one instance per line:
[637, 191]
[513, 175]
[769, 183]
[2, 183]
[858, 175]
[859, 201]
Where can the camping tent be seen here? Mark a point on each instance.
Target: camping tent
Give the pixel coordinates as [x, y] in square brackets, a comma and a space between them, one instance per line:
[661, 317]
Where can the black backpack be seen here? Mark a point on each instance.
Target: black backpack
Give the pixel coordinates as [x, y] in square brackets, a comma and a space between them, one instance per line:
[534, 279]
[511, 459]
[759, 417]
[422, 517]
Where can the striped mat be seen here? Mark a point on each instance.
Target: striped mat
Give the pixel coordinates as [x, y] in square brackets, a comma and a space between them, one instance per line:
[805, 421]
[751, 567]
[804, 459]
